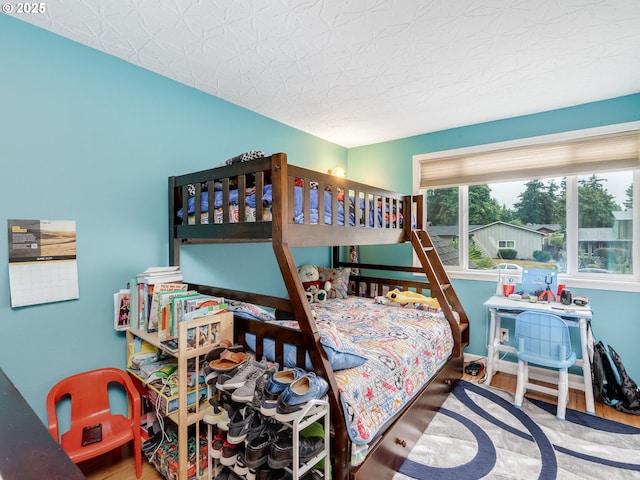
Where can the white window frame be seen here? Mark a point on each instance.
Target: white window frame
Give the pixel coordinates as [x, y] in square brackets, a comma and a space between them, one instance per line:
[513, 247]
[628, 283]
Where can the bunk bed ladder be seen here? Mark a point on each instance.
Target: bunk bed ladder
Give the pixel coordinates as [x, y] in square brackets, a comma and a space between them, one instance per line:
[440, 284]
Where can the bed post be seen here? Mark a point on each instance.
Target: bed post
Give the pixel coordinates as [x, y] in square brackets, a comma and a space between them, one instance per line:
[340, 452]
[174, 246]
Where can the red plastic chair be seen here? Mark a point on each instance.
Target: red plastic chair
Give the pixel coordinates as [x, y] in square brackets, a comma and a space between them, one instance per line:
[88, 392]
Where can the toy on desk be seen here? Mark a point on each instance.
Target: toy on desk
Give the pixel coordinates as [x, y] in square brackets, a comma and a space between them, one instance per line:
[580, 300]
[396, 295]
[547, 294]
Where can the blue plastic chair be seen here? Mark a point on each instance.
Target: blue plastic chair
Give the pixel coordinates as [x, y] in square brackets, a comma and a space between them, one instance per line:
[543, 339]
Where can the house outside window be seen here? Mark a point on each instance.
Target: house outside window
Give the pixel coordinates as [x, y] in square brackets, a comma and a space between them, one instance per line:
[582, 220]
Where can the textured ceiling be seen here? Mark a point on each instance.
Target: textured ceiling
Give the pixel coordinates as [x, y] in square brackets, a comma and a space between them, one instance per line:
[358, 72]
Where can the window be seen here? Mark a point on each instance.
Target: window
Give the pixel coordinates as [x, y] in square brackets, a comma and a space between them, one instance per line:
[569, 205]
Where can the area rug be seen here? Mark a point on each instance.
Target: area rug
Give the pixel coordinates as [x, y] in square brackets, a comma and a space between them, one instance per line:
[477, 433]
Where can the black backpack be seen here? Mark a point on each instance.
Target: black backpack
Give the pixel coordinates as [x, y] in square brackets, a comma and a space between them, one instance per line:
[611, 383]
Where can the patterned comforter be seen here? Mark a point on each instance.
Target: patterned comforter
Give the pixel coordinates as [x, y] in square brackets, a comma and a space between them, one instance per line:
[404, 347]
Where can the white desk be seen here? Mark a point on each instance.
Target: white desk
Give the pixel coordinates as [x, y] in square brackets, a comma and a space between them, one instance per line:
[575, 316]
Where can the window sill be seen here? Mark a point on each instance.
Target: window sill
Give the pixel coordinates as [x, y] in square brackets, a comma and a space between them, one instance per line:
[631, 285]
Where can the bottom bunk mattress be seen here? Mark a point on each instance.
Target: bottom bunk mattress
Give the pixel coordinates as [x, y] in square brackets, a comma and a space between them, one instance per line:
[403, 348]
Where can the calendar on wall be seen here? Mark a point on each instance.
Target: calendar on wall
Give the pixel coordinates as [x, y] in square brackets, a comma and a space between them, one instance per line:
[42, 261]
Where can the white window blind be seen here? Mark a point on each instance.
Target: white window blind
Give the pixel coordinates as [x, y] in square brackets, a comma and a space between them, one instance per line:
[601, 153]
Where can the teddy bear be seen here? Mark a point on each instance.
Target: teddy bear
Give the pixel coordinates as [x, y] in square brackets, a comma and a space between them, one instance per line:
[315, 288]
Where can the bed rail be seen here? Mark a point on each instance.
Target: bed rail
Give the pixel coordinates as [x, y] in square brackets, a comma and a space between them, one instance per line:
[282, 202]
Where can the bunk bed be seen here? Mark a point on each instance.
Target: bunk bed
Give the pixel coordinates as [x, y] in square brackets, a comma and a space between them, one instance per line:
[268, 200]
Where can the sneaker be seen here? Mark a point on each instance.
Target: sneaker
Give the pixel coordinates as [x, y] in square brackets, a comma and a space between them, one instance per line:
[240, 467]
[228, 474]
[257, 450]
[217, 443]
[239, 425]
[281, 452]
[261, 424]
[244, 373]
[246, 392]
[221, 378]
[251, 474]
[229, 454]
[223, 421]
[278, 382]
[292, 400]
[312, 475]
[261, 381]
[214, 414]
[279, 474]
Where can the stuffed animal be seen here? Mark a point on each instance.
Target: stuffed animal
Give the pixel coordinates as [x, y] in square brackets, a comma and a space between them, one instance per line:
[405, 297]
[315, 288]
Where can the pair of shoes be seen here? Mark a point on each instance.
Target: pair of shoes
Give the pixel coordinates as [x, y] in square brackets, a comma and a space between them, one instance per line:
[223, 421]
[261, 424]
[240, 467]
[312, 475]
[217, 443]
[257, 449]
[279, 474]
[230, 453]
[242, 374]
[261, 382]
[239, 424]
[228, 474]
[214, 354]
[281, 452]
[224, 377]
[246, 392]
[228, 360]
[292, 400]
[278, 382]
[214, 414]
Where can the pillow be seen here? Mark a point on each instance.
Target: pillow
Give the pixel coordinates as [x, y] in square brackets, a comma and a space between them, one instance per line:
[339, 278]
[341, 352]
[250, 311]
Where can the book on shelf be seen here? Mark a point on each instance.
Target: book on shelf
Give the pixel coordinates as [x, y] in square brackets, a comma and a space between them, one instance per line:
[155, 308]
[204, 311]
[171, 344]
[164, 309]
[146, 283]
[175, 311]
[155, 275]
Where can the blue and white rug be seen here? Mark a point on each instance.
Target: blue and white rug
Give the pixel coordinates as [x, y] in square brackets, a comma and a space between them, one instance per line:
[479, 434]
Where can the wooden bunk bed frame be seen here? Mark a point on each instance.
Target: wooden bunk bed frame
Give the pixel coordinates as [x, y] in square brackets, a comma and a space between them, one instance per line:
[390, 447]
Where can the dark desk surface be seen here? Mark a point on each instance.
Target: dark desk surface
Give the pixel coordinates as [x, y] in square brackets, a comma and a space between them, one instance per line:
[27, 450]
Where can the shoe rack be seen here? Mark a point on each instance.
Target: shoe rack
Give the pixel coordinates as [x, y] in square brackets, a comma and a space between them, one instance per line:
[313, 411]
[195, 339]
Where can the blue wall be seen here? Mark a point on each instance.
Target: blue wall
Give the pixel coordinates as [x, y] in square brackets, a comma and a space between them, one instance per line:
[390, 164]
[90, 138]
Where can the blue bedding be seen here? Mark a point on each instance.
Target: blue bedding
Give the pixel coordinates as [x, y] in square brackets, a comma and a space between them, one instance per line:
[267, 198]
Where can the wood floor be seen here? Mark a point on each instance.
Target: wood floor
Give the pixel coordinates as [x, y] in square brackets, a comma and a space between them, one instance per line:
[107, 467]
